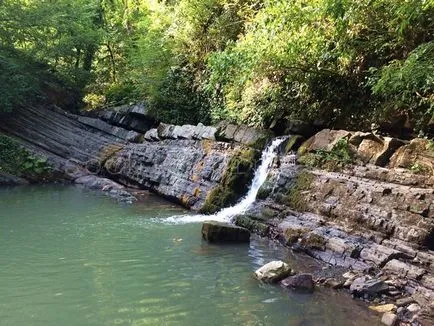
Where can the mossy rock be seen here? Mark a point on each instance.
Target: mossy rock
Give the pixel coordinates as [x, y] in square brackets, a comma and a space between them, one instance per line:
[254, 226]
[292, 144]
[235, 181]
[292, 235]
[296, 197]
[313, 241]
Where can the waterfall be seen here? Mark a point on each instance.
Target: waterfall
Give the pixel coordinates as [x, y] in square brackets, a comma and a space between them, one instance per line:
[226, 214]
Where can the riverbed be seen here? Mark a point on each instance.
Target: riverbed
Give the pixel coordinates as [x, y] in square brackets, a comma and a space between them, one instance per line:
[70, 256]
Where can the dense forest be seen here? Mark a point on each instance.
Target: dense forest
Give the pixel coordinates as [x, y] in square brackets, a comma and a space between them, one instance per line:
[262, 62]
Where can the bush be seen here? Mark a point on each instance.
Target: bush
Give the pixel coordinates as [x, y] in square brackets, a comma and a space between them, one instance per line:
[16, 160]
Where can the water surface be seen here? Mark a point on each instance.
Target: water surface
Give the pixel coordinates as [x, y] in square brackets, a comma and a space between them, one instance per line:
[73, 257]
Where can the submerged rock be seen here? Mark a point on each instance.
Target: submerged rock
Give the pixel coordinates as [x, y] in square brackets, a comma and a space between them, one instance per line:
[224, 232]
[11, 180]
[299, 282]
[273, 272]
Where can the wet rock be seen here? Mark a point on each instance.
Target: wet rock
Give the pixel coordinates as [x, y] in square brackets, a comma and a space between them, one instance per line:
[389, 319]
[383, 308]
[333, 283]
[273, 272]
[299, 282]
[371, 287]
[224, 232]
[252, 225]
[108, 186]
[11, 180]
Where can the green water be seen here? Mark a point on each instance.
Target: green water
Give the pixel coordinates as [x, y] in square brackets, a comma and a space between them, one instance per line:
[73, 257]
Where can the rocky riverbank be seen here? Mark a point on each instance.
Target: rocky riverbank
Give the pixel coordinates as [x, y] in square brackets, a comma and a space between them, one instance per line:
[359, 202]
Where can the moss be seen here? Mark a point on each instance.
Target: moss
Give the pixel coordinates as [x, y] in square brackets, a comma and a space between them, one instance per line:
[295, 197]
[107, 152]
[252, 225]
[313, 241]
[235, 181]
[293, 144]
[292, 235]
[335, 159]
[262, 140]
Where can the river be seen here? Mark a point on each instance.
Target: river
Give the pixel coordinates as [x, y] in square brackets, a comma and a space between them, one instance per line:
[74, 257]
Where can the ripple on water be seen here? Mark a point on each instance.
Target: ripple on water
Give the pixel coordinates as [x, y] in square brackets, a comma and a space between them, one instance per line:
[71, 257]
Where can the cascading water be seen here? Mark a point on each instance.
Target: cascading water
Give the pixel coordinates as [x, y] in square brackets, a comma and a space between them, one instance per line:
[259, 178]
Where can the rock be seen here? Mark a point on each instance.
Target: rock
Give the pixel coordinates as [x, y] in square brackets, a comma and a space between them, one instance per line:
[224, 232]
[243, 134]
[389, 319]
[165, 131]
[323, 140]
[11, 180]
[122, 133]
[333, 283]
[204, 132]
[416, 152]
[383, 308]
[152, 135]
[108, 186]
[377, 150]
[132, 117]
[414, 307]
[379, 254]
[273, 272]
[252, 225]
[371, 287]
[404, 301]
[299, 282]
[403, 269]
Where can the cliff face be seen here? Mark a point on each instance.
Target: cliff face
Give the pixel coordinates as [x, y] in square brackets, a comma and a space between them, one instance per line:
[183, 163]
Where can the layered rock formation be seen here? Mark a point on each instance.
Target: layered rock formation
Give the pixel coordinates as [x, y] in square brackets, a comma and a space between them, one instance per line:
[373, 213]
[183, 163]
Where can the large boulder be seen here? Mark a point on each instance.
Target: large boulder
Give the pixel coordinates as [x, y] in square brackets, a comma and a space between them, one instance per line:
[375, 149]
[323, 140]
[273, 272]
[299, 282]
[224, 232]
[419, 153]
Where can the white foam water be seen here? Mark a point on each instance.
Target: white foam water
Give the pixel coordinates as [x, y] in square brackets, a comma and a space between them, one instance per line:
[226, 214]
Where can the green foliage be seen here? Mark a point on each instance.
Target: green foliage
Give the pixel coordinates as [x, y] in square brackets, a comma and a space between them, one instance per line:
[342, 63]
[337, 158]
[407, 85]
[16, 160]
